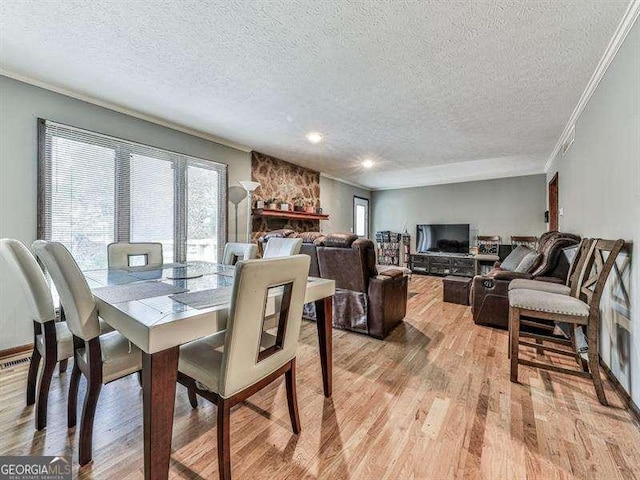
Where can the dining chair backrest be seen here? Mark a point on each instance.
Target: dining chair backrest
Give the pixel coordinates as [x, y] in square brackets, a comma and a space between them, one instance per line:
[282, 247]
[119, 254]
[596, 271]
[75, 296]
[29, 275]
[234, 252]
[248, 356]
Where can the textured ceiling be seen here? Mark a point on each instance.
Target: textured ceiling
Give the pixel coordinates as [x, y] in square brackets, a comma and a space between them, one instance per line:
[433, 91]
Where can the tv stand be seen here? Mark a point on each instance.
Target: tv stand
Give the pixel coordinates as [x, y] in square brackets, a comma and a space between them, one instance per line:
[442, 263]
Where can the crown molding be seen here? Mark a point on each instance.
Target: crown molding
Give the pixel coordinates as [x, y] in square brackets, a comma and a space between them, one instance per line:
[347, 182]
[624, 27]
[468, 179]
[121, 109]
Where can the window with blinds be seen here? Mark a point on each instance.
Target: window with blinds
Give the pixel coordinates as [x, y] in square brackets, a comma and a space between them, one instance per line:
[95, 189]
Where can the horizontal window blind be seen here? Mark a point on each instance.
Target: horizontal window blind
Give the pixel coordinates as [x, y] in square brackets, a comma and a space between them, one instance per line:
[95, 189]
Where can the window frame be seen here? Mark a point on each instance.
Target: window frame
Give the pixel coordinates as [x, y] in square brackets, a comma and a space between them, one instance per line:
[122, 191]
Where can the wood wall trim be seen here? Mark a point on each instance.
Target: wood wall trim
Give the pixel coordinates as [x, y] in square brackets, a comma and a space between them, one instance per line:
[617, 386]
[9, 352]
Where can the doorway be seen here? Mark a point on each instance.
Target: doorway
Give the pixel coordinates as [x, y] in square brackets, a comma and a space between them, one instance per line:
[361, 216]
[553, 203]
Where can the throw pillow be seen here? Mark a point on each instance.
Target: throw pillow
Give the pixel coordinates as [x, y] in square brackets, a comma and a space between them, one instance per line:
[529, 262]
[515, 257]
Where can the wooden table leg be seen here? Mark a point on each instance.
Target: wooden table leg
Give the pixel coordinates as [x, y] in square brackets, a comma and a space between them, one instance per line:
[324, 321]
[159, 373]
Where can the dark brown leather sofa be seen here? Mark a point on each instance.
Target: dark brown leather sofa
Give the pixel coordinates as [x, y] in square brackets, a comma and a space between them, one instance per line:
[490, 292]
[364, 302]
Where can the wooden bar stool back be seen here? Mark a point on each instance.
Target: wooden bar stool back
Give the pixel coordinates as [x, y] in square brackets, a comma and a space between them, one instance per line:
[530, 308]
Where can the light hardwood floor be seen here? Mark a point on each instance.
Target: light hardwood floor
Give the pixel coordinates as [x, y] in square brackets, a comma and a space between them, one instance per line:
[432, 401]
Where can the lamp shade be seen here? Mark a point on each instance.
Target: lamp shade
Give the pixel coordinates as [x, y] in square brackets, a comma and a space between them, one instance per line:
[248, 185]
[236, 194]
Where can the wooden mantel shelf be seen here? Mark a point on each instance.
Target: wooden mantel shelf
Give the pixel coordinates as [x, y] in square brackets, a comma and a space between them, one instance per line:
[265, 212]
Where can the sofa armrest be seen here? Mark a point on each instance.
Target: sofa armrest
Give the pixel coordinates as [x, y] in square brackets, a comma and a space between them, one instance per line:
[392, 272]
[490, 301]
[506, 275]
[387, 303]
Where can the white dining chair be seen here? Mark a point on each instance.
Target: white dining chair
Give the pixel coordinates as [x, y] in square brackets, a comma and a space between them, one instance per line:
[228, 367]
[234, 252]
[121, 254]
[100, 358]
[52, 339]
[282, 247]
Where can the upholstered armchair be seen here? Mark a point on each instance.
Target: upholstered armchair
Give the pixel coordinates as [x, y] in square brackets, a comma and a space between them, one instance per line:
[490, 292]
[364, 302]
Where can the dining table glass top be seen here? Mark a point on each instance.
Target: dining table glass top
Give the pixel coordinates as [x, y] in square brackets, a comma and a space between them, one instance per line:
[184, 278]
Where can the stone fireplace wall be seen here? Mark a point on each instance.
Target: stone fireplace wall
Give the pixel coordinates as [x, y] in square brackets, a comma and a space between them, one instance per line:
[284, 181]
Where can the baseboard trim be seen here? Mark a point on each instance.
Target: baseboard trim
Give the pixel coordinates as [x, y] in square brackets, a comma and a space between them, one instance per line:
[617, 386]
[9, 352]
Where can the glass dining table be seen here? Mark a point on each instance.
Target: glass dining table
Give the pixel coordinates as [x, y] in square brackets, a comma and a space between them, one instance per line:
[160, 308]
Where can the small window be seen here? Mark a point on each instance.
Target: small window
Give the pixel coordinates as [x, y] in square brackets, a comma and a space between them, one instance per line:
[361, 216]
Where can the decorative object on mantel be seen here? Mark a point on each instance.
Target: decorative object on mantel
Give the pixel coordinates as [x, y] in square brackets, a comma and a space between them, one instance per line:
[271, 204]
[249, 186]
[236, 196]
[318, 211]
[259, 203]
[298, 203]
[310, 209]
[284, 206]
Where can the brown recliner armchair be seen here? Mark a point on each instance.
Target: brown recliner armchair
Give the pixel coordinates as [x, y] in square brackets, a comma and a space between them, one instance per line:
[364, 302]
[490, 292]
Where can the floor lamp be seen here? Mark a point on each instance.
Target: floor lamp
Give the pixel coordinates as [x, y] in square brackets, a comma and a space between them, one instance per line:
[236, 196]
[249, 187]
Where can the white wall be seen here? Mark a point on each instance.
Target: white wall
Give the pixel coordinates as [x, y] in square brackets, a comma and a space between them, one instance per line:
[20, 107]
[599, 191]
[505, 207]
[336, 199]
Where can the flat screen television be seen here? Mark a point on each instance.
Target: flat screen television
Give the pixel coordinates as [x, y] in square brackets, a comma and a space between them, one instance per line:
[443, 238]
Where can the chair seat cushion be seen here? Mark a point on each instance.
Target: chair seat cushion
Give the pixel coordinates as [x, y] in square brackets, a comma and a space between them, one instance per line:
[202, 359]
[119, 356]
[65, 342]
[65, 339]
[547, 302]
[520, 283]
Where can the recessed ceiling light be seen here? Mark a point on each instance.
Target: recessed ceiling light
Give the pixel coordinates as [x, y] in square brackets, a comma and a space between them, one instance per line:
[314, 137]
[367, 163]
